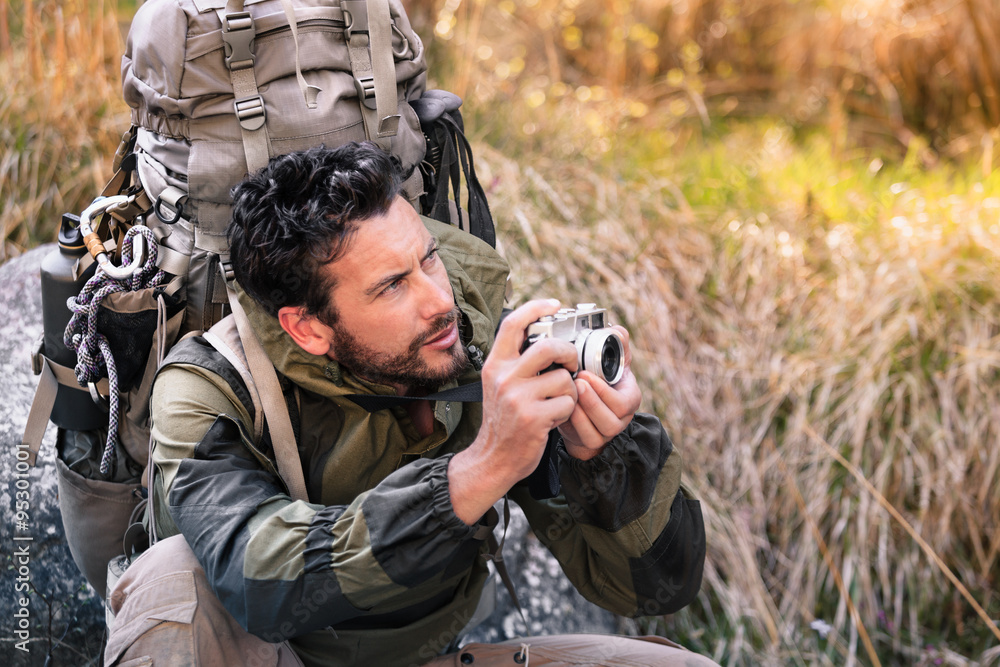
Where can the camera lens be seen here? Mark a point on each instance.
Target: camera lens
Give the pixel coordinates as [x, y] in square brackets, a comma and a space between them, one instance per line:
[611, 357]
[602, 353]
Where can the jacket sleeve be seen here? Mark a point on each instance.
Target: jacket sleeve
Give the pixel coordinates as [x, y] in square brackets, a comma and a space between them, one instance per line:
[622, 528]
[281, 567]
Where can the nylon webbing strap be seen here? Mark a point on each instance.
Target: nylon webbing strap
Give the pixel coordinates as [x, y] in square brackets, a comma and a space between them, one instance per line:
[172, 261]
[466, 393]
[161, 352]
[41, 408]
[51, 375]
[496, 555]
[66, 376]
[309, 93]
[279, 424]
[234, 359]
[121, 183]
[384, 66]
[238, 33]
[369, 44]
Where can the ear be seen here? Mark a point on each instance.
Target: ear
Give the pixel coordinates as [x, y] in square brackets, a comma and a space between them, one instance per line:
[306, 330]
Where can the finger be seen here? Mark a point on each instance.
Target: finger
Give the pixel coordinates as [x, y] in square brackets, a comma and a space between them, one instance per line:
[544, 353]
[601, 418]
[581, 430]
[557, 382]
[622, 398]
[623, 332]
[510, 336]
[556, 411]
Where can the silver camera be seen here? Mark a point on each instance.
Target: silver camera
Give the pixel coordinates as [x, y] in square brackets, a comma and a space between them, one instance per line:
[599, 348]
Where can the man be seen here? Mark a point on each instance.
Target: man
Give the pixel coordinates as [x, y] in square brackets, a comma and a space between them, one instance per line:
[352, 293]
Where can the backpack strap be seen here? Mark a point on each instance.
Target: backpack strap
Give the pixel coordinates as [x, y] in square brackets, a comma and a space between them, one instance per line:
[449, 155]
[225, 338]
[51, 376]
[310, 93]
[238, 33]
[369, 44]
[265, 380]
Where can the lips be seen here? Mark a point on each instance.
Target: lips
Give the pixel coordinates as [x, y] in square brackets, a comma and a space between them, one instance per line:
[445, 339]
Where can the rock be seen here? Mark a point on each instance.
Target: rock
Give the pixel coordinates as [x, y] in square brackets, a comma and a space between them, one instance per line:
[63, 617]
[62, 622]
[550, 602]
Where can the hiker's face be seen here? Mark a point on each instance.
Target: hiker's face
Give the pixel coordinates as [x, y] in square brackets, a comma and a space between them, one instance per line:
[398, 323]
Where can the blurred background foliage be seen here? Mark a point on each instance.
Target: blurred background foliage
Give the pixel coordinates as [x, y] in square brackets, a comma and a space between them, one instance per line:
[794, 207]
[871, 73]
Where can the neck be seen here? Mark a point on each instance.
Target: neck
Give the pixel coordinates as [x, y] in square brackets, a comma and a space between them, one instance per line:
[422, 417]
[398, 389]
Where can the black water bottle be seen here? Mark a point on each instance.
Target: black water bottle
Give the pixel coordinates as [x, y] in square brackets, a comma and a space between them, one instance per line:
[74, 409]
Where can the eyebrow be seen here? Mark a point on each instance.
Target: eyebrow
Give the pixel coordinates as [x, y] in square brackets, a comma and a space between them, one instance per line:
[432, 245]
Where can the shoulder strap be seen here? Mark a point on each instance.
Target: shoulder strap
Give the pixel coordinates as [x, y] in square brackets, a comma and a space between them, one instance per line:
[268, 389]
[225, 338]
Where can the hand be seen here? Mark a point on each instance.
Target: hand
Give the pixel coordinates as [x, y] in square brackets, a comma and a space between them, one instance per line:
[520, 406]
[602, 410]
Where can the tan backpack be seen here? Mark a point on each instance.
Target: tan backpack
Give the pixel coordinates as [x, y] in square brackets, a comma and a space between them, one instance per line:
[217, 87]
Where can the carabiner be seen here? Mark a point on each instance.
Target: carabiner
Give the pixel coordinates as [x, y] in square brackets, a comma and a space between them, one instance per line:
[96, 246]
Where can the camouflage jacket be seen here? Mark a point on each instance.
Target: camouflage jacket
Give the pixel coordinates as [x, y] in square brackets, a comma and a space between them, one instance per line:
[377, 568]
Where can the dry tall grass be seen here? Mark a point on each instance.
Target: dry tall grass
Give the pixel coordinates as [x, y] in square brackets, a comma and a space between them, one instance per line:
[61, 113]
[773, 350]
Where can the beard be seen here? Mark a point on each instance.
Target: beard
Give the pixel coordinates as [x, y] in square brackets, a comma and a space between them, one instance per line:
[406, 368]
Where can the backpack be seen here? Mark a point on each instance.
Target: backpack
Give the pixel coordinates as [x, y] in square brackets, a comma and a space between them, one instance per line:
[216, 87]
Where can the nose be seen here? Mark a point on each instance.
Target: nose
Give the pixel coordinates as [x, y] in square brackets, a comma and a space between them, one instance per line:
[435, 296]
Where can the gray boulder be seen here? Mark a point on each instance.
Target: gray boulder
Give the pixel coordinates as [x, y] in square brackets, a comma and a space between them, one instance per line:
[62, 620]
[550, 602]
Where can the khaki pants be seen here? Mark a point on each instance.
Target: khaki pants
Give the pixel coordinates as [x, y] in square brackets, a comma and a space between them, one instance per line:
[166, 614]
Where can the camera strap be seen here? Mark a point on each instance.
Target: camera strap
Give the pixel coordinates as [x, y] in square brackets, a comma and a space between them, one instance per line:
[464, 393]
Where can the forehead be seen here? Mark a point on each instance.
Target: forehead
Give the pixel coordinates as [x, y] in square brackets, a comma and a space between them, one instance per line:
[381, 246]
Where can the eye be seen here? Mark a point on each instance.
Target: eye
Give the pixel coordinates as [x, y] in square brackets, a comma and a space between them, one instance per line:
[432, 256]
[392, 287]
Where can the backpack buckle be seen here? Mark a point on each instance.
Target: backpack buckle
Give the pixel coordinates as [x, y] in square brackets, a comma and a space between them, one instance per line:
[365, 86]
[250, 111]
[99, 399]
[226, 266]
[355, 17]
[238, 33]
[36, 356]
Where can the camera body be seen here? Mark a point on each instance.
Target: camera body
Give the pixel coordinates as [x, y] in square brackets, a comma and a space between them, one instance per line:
[600, 349]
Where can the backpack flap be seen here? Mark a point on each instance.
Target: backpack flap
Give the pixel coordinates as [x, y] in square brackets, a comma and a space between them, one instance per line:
[179, 87]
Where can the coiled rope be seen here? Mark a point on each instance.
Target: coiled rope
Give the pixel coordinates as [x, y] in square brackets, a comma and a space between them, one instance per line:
[95, 359]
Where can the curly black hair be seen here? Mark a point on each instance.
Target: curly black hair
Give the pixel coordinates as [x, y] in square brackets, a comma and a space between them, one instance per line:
[300, 213]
